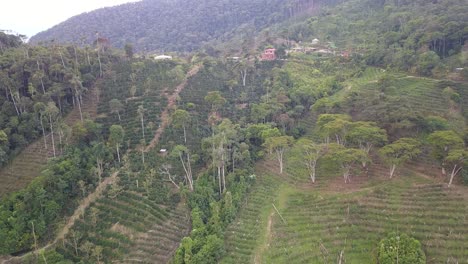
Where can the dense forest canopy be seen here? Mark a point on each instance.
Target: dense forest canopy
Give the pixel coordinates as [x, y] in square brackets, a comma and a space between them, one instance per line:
[176, 25]
[417, 36]
[351, 137]
[39, 85]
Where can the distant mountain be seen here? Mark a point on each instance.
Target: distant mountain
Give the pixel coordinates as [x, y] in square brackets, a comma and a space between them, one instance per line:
[176, 25]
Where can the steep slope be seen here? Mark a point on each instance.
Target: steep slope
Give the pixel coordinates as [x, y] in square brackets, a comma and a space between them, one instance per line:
[316, 223]
[29, 163]
[175, 25]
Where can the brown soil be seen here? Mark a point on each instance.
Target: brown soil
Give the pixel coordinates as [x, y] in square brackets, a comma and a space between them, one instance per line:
[165, 120]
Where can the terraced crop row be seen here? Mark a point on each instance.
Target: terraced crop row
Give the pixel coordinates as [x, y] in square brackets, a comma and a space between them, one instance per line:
[32, 160]
[319, 229]
[130, 228]
[242, 236]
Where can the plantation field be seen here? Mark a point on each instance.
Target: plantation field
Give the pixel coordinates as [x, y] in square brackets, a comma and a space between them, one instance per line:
[319, 222]
[129, 227]
[29, 163]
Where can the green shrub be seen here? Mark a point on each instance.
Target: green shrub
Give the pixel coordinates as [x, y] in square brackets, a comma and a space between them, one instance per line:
[400, 248]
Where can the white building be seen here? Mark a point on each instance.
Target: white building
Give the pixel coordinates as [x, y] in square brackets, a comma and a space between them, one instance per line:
[163, 57]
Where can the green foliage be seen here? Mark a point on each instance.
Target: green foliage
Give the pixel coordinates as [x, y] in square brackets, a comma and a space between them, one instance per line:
[442, 142]
[278, 142]
[399, 152]
[182, 26]
[33, 77]
[414, 36]
[366, 135]
[9, 41]
[46, 199]
[334, 126]
[345, 158]
[400, 248]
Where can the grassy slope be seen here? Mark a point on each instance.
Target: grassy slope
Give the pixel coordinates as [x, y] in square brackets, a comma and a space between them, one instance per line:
[324, 219]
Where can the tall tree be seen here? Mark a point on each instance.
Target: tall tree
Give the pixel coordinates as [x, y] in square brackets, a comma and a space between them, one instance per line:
[116, 106]
[366, 135]
[442, 142]
[52, 111]
[40, 109]
[78, 88]
[216, 100]
[183, 154]
[279, 145]
[100, 152]
[346, 158]
[116, 137]
[399, 152]
[456, 159]
[141, 113]
[181, 118]
[334, 125]
[311, 152]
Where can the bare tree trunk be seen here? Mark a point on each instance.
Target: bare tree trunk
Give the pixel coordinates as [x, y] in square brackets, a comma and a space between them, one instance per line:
[118, 114]
[185, 135]
[454, 172]
[244, 76]
[99, 168]
[340, 260]
[189, 165]
[224, 176]
[312, 170]
[143, 127]
[187, 171]
[346, 175]
[166, 170]
[279, 155]
[52, 134]
[392, 170]
[219, 181]
[43, 131]
[14, 101]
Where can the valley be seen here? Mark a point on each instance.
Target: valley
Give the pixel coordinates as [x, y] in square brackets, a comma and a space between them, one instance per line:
[287, 132]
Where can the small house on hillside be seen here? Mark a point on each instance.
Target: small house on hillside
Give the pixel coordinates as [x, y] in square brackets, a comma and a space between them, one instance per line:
[234, 59]
[269, 54]
[163, 57]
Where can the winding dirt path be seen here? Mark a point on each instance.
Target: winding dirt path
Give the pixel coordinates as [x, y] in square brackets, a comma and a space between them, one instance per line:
[92, 197]
[79, 211]
[165, 120]
[268, 237]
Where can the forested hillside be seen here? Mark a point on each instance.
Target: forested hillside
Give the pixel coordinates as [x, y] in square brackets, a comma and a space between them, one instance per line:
[422, 37]
[39, 87]
[176, 25]
[348, 145]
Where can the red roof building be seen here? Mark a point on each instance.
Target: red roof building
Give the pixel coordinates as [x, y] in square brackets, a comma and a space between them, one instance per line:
[269, 55]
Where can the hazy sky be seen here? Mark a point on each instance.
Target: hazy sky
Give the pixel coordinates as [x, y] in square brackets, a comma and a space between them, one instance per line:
[29, 17]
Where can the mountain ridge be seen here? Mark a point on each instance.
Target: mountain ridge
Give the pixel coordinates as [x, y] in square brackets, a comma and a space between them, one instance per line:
[175, 26]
